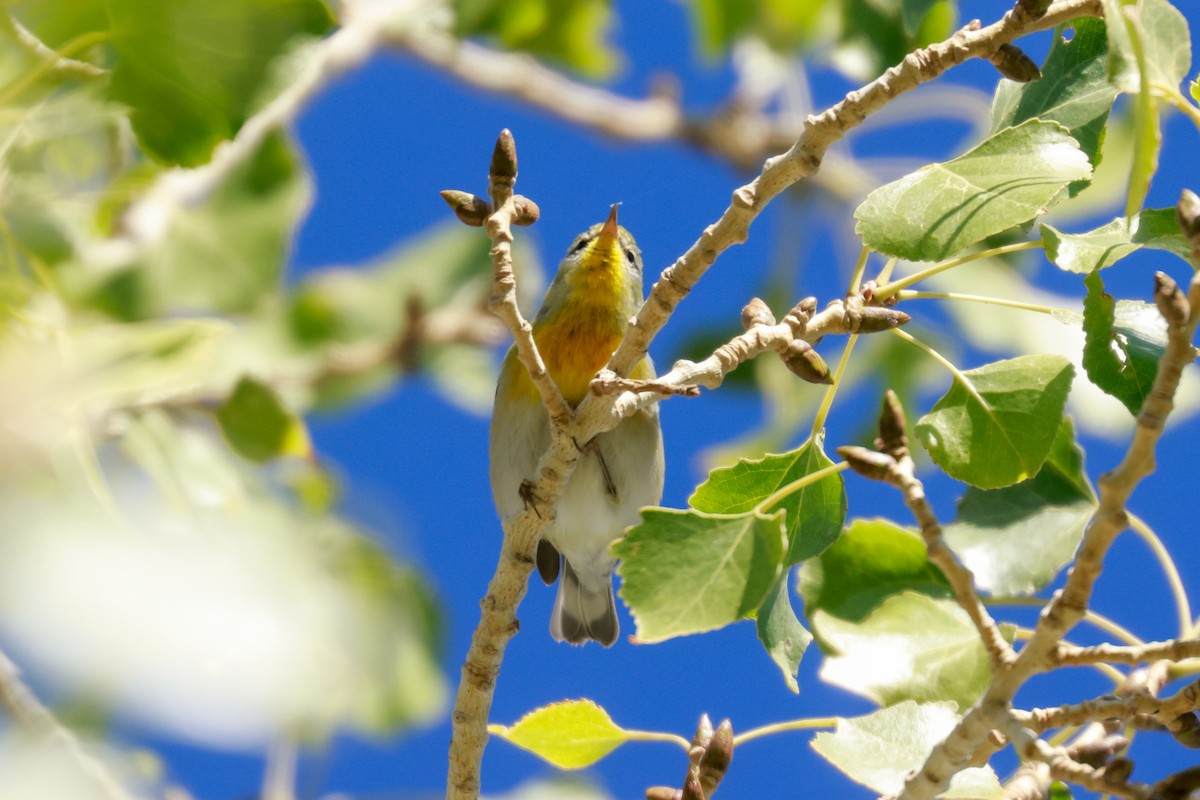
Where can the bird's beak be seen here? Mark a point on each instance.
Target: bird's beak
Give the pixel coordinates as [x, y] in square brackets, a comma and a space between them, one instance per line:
[609, 231]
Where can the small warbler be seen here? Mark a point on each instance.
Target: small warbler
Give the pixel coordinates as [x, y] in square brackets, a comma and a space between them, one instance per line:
[597, 290]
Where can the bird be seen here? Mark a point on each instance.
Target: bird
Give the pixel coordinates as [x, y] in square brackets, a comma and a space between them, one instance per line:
[583, 317]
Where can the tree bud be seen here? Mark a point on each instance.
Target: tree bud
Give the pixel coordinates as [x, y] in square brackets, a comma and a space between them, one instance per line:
[715, 761]
[875, 319]
[504, 159]
[893, 436]
[868, 463]
[470, 209]
[1013, 64]
[527, 211]
[1170, 301]
[756, 313]
[806, 363]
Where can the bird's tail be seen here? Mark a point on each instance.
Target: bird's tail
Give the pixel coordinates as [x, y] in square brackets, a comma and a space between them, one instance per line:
[581, 613]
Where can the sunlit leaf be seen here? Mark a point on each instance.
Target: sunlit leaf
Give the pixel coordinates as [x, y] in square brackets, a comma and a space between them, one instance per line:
[570, 735]
[1123, 342]
[815, 513]
[872, 560]
[1073, 91]
[996, 428]
[911, 647]
[1016, 539]
[781, 632]
[687, 572]
[1155, 228]
[940, 210]
[883, 748]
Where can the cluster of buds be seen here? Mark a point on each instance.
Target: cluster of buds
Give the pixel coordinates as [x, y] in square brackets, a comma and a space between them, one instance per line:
[474, 210]
[708, 761]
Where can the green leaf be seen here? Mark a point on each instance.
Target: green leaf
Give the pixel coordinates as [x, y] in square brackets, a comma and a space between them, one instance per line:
[781, 632]
[881, 749]
[876, 34]
[1155, 228]
[997, 427]
[1060, 791]
[1123, 342]
[226, 254]
[687, 572]
[571, 32]
[1164, 40]
[912, 647]
[870, 561]
[258, 426]
[570, 735]
[191, 71]
[1016, 539]
[940, 210]
[1073, 91]
[815, 513]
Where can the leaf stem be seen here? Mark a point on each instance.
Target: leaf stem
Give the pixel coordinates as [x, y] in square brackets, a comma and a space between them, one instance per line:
[1176, 98]
[885, 274]
[783, 727]
[1182, 605]
[909, 294]
[860, 267]
[1099, 620]
[831, 390]
[889, 289]
[790, 488]
[941, 359]
[657, 736]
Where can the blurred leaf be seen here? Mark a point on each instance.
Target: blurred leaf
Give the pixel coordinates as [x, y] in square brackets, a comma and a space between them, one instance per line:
[560, 787]
[464, 374]
[875, 34]
[687, 572]
[400, 620]
[911, 647]
[1124, 341]
[997, 427]
[1016, 539]
[445, 270]
[570, 735]
[782, 24]
[1155, 228]
[1060, 791]
[191, 71]
[226, 254]
[883, 748]
[1164, 40]
[942, 209]
[781, 632]
[1073, 91]
[871, 561]
[571, 32]
[815, 513]
[258, 426]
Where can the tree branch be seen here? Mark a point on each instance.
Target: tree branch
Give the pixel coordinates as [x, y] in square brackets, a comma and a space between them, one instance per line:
[1173, 650]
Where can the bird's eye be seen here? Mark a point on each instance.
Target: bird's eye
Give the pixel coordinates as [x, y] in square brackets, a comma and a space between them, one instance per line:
[578, 247]
[631, 258]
